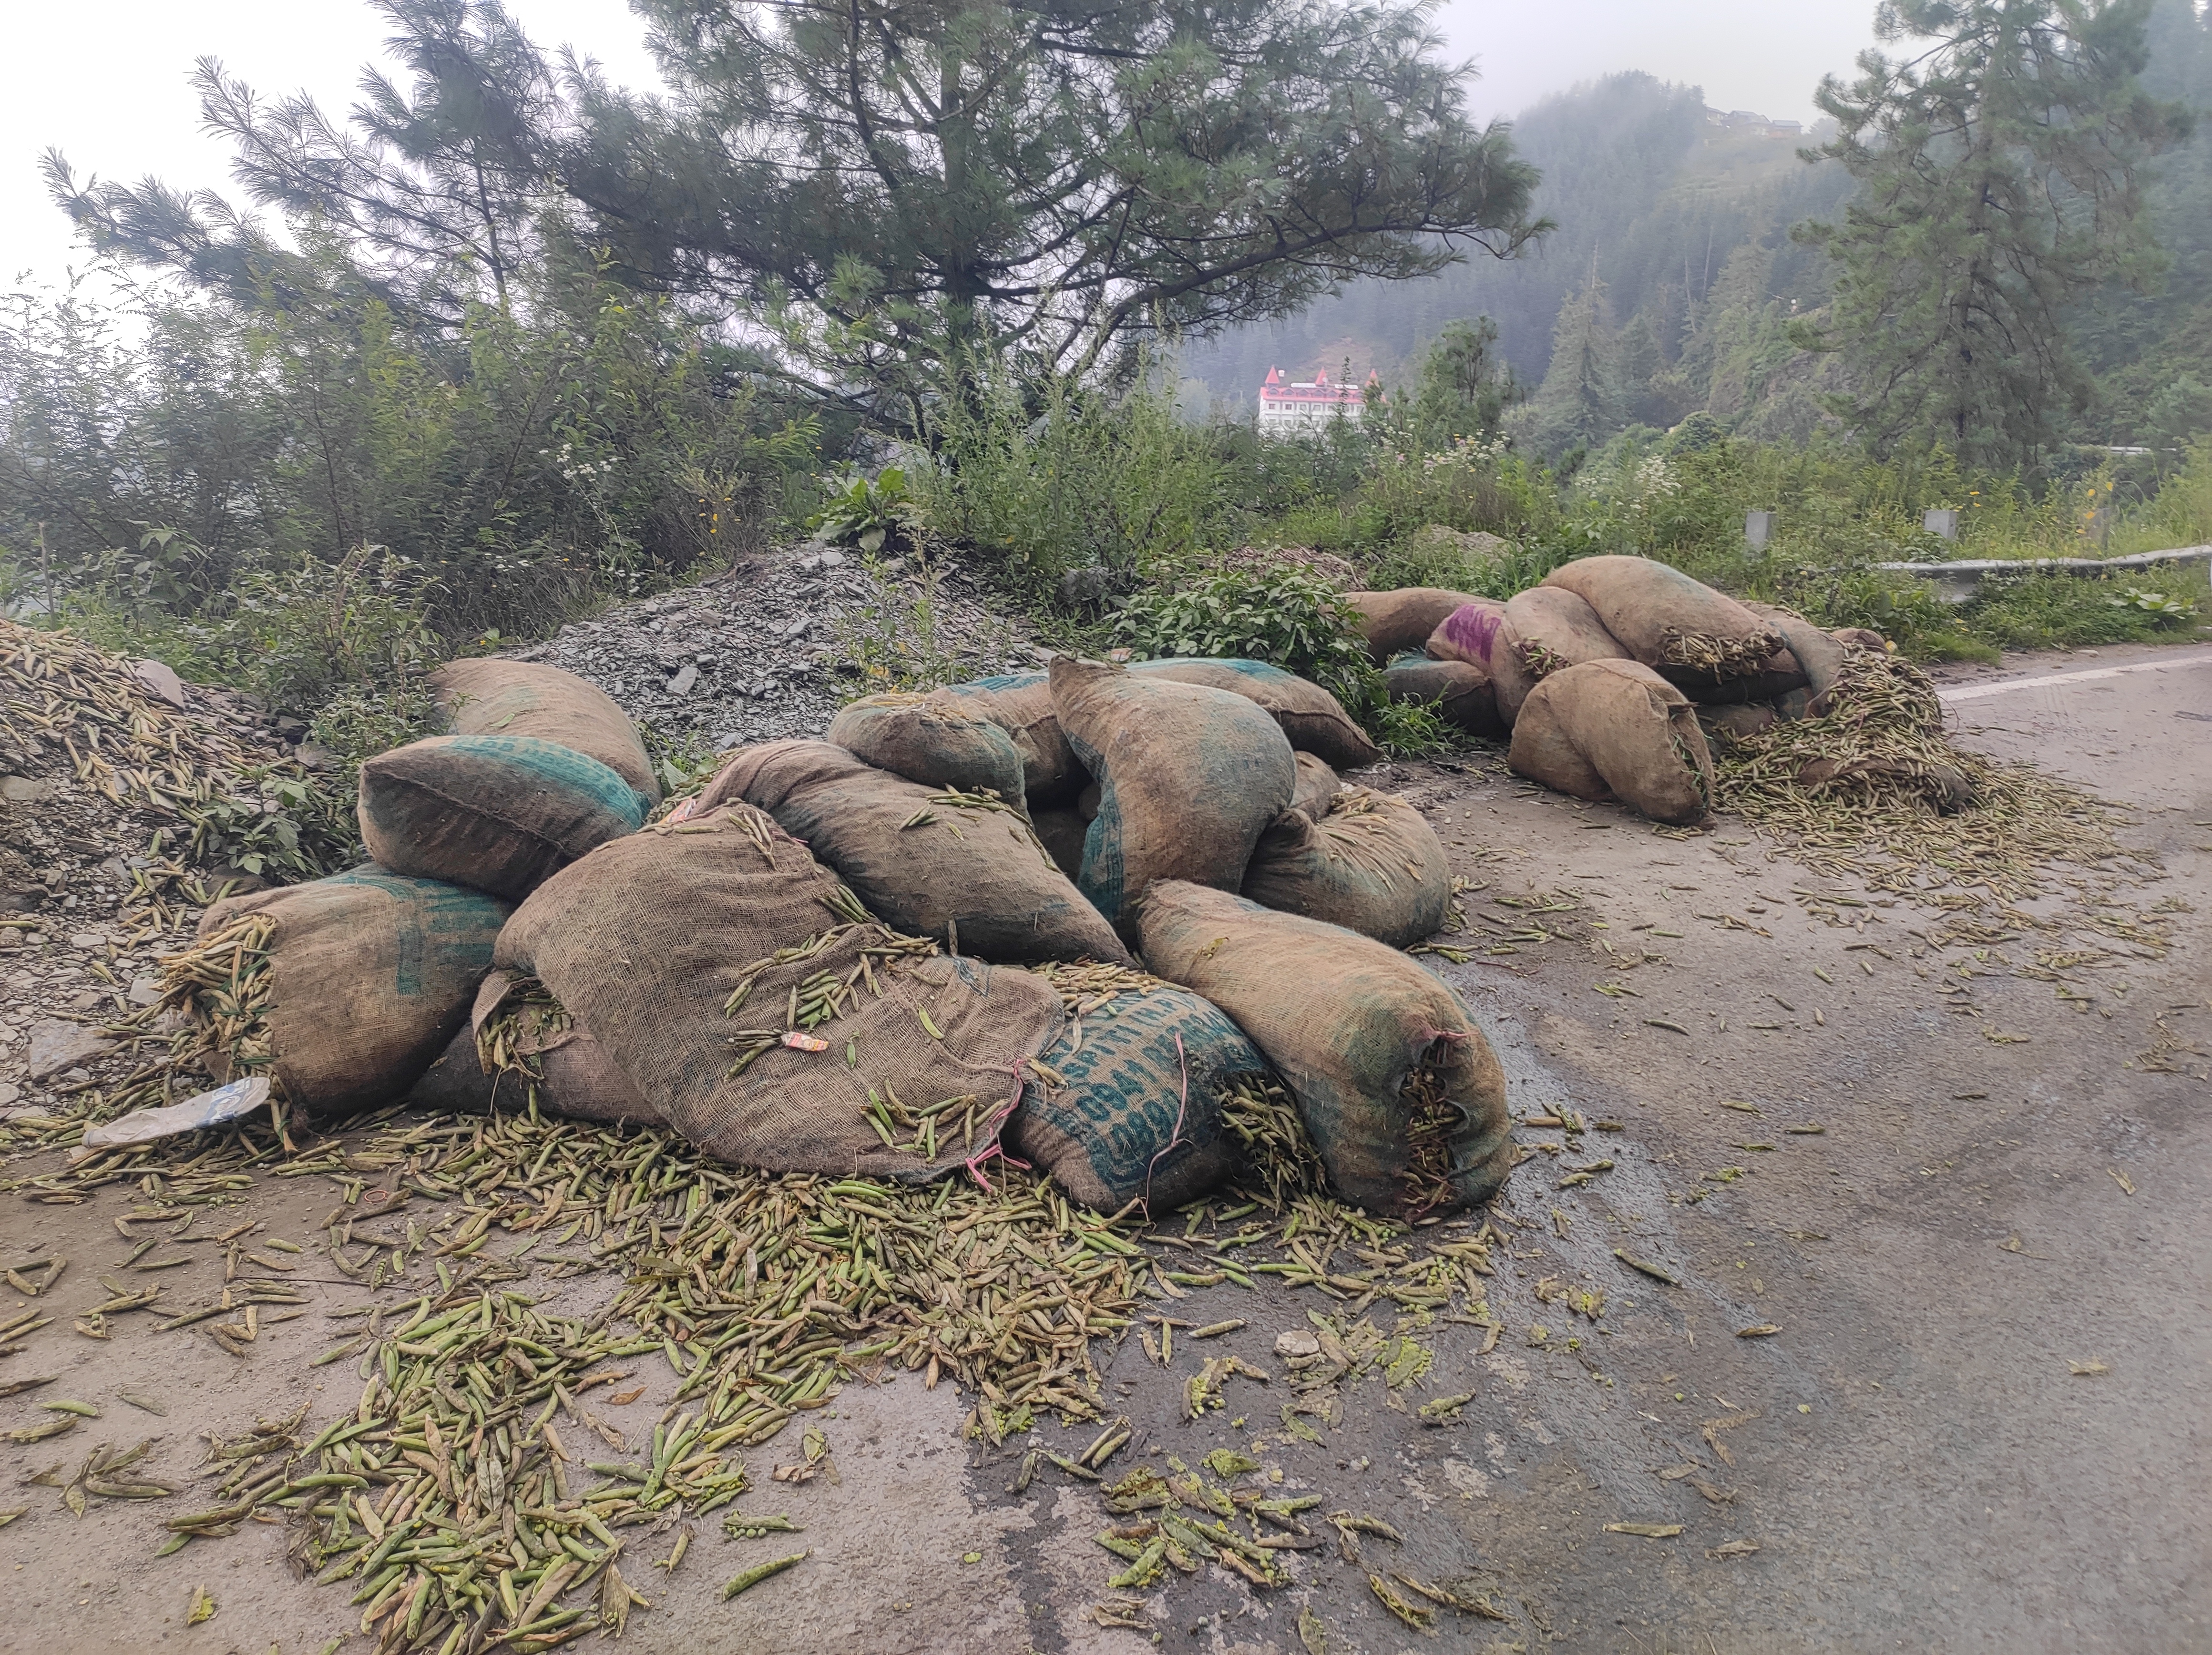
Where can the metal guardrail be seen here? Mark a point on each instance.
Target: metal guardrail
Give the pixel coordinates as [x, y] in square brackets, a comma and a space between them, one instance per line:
[1955, 583]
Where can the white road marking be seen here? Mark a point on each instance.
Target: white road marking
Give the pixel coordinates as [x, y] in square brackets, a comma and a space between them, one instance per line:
[1975, 692]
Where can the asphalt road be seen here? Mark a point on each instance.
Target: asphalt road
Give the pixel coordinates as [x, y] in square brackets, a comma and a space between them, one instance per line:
[1979, 1423]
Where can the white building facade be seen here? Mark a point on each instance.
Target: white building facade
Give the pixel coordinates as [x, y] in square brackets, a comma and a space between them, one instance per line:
[1291, 407]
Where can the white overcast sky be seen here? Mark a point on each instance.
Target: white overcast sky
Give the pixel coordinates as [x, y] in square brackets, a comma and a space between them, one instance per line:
[106, 86]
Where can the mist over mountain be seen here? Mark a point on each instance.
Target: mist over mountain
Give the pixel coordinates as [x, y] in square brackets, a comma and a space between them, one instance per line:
[1672, 273]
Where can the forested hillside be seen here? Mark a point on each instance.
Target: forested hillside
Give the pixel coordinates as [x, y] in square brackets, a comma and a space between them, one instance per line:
[1668, 283]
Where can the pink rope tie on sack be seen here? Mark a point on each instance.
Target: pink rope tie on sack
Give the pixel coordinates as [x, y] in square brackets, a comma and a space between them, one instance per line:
[1182, 1107]
[993, 1126]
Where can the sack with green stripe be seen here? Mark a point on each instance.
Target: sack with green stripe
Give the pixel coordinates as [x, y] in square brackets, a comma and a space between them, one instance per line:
[491, 695]
[501, 814]
[1130, 1105]
[1313, 720]
[1187, 778]
[343, 990]
[1020, 704]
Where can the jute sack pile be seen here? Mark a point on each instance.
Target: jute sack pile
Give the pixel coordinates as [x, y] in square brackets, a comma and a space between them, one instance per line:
[368, 975]
[1459, 691]
[777, 1026]
[1402, 1096]
[1667, 620]
[932, 864]
[501, 814]
[1616, 729]
[934, 739]
[1020, 703]
[1189, 777]
[1369, 863]
[489, 697]
[1395, 621]
[1313, 720]
[1130, 1106]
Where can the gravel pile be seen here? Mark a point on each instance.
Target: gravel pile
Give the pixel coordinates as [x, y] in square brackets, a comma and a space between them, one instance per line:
[775, 646]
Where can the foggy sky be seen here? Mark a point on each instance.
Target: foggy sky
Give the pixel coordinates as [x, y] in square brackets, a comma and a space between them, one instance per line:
[106, 82]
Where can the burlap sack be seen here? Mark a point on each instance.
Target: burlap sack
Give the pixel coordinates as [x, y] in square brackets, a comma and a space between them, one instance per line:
[1819, 655]
[1370, 863]
[494, 697]
[1062, 833]
[1664, 618]
[1460, 693]
[935, 739]
[1616, 729]
[1395, 621]
[1314, 719]
[1476, 634]
[1777, 675]
[971, 876]
[1736, 721]
[1548, 628]
[371, 974]
[497, 813]
[562, 1067]
[1137, 1113]
[1399, 1092]
[1189, 777]
[1020, 703]
[1317, 786]
[648, 940]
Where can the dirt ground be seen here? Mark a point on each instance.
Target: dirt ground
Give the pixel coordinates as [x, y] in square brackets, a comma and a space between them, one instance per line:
[1929, 1371]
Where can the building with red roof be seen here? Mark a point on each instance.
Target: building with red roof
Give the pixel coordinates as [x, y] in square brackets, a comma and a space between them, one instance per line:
[1288, 406]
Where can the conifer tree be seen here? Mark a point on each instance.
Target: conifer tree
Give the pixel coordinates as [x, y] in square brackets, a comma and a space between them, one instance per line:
[2000, 161]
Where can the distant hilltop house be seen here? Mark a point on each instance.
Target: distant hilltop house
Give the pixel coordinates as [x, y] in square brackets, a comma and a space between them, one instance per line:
[1748, 120]
[1292, 405]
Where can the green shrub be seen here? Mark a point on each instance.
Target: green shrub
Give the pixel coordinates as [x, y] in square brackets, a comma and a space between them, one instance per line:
[587, 440]
[1286, 616]
[1074, 477]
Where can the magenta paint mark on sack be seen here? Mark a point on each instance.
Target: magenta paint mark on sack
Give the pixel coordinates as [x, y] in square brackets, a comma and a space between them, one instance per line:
[1471, 627]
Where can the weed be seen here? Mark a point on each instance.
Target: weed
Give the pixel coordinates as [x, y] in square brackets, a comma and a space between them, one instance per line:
[2046, 610]
[892, 641]
[1410, 730]
[871, 515]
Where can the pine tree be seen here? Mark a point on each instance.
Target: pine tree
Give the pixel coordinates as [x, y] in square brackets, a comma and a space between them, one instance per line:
[2000, 172]
[1465, 389]
[1642, 370]
[1580, 403]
